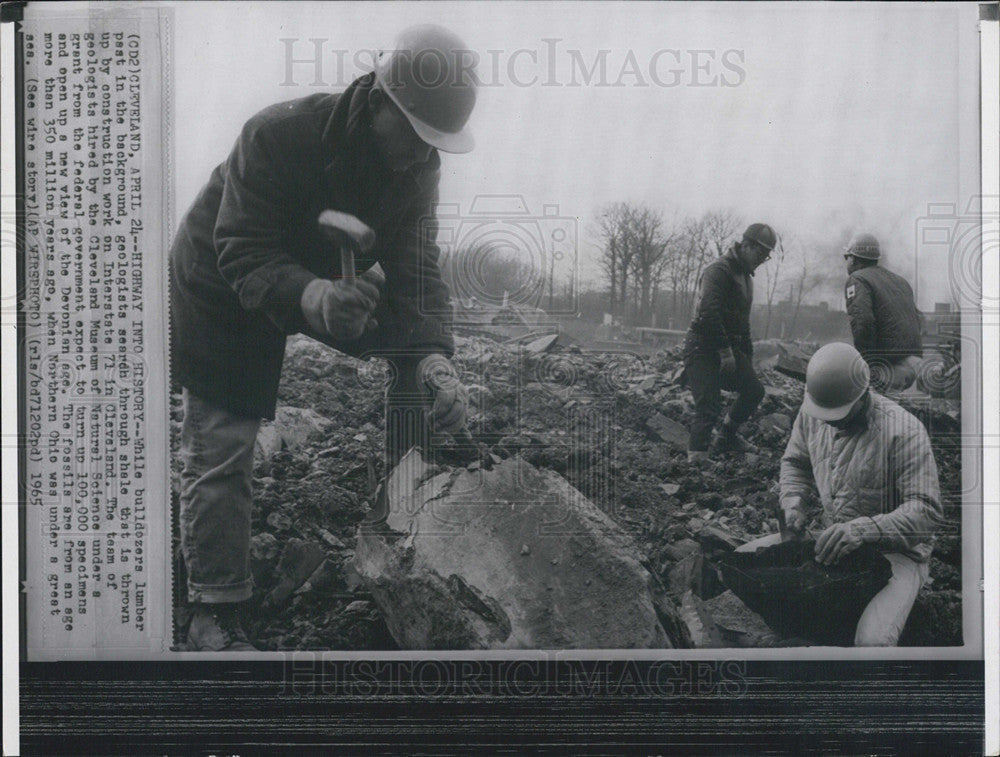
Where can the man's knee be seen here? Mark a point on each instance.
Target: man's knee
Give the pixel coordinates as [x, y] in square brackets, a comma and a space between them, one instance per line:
[884, 618]
[877, 636]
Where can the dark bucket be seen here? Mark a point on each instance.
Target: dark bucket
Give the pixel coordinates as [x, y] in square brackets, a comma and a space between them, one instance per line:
[797, 596]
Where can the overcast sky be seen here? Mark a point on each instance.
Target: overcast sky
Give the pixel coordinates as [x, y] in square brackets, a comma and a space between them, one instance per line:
[819, 119]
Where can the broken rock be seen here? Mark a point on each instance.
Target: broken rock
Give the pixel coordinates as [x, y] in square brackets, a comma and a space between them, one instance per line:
[714, 537]
[681, 549]
[298, 562]
[738, 625]
[542, 344]
[776, 422]
[669, 431]
[297, 426]
[700, 624]
[647, 384]
[267, 444]
[449, 570]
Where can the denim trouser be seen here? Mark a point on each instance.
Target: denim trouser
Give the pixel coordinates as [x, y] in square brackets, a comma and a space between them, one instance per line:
[217, 449]
[883, 619]
[703, 375]
[215, 502]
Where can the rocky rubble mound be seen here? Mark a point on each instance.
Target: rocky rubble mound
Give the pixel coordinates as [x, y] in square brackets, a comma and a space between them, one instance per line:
[613, 425]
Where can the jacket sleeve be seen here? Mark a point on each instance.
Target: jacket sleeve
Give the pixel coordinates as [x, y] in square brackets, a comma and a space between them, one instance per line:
[860, 310]
[711, 307]
[919, 514]
[796, 476]
[251, 231]
[416, 295]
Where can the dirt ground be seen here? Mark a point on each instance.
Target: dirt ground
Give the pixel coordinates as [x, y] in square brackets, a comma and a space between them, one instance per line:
[613, 424]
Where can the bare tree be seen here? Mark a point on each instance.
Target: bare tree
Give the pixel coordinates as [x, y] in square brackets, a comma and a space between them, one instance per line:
[633, 248]
[774, 275]
[649, 242]
[721, 226]
[642, 254]
[697, 243]
[610, 233]
[627, 250]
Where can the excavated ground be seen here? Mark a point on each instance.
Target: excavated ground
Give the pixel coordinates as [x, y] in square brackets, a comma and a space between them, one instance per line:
[613, 424]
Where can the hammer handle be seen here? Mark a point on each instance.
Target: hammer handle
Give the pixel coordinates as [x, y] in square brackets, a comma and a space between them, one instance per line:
[347, 262]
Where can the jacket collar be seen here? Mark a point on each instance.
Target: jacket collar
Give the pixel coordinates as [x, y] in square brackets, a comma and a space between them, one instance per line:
[347, 127]
[735, 261]
[351, 118]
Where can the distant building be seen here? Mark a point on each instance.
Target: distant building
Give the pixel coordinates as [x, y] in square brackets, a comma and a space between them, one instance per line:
[814, 322]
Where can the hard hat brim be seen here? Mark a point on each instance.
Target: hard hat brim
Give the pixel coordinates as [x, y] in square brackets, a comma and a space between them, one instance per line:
[819, 412]
[453, 142]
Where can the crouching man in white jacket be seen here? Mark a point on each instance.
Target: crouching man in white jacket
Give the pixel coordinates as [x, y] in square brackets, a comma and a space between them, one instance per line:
[872, 464]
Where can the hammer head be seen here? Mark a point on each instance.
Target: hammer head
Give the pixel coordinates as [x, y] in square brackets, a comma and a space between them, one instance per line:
[346, 230]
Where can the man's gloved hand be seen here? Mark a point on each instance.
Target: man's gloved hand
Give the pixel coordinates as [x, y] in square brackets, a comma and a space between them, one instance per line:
[374, 276]
[796, 521]
[796, 516]
[839, 540]
[728, 366]
[450, 397]
[340, 309]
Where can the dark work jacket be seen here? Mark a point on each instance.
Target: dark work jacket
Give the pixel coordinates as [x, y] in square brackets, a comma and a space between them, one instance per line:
[722, 317]
[884, 319]
[250, 244]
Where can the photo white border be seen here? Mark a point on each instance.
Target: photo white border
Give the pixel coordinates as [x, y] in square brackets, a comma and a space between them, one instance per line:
[8, 397]
[989, 40]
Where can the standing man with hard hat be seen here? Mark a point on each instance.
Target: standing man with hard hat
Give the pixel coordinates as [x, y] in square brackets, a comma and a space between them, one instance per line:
[251, 265]
[885, 322]
[872, 464]
[718, 349]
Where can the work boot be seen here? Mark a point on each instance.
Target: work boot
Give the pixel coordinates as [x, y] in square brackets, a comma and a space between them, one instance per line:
[697, 456]
[728, 439]
[217, 628]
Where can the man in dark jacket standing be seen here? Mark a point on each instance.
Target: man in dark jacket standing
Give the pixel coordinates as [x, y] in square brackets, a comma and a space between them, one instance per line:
[718, 349]
[885, 322]
[250, 266]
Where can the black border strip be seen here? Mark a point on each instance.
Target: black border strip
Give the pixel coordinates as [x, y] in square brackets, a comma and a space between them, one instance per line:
[308, 705]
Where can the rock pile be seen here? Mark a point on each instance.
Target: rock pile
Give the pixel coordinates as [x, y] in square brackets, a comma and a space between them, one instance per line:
[610, 424]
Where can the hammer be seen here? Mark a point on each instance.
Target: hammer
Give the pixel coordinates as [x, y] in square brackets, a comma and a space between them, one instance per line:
[350, 234]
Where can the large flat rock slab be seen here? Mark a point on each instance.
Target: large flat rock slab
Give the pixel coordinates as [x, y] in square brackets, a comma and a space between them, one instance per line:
[508, 558]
